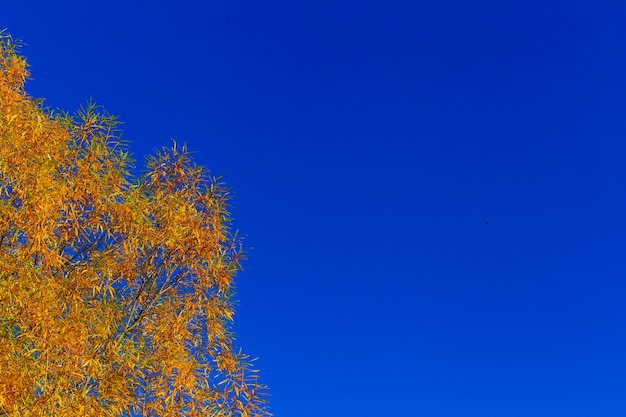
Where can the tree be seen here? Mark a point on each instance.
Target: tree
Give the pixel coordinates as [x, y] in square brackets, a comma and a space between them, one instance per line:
[115, 290]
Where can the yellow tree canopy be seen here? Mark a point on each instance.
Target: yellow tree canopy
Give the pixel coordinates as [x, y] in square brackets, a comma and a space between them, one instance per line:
[115, 291]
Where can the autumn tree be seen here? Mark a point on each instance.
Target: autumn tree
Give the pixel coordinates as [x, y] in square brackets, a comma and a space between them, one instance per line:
[115, 289]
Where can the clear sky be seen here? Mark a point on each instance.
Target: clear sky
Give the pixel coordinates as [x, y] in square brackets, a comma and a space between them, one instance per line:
[433, 190]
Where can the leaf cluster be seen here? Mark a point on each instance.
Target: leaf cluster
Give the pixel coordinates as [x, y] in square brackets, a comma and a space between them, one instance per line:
[115, 290]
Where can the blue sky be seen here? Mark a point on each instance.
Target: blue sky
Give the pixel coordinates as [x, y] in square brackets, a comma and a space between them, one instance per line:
[433, 190]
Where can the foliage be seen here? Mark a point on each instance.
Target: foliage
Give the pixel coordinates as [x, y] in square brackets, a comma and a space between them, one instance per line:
[115, 291]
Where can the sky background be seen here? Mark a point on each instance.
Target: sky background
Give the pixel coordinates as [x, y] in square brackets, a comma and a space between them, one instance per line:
[368, 143]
